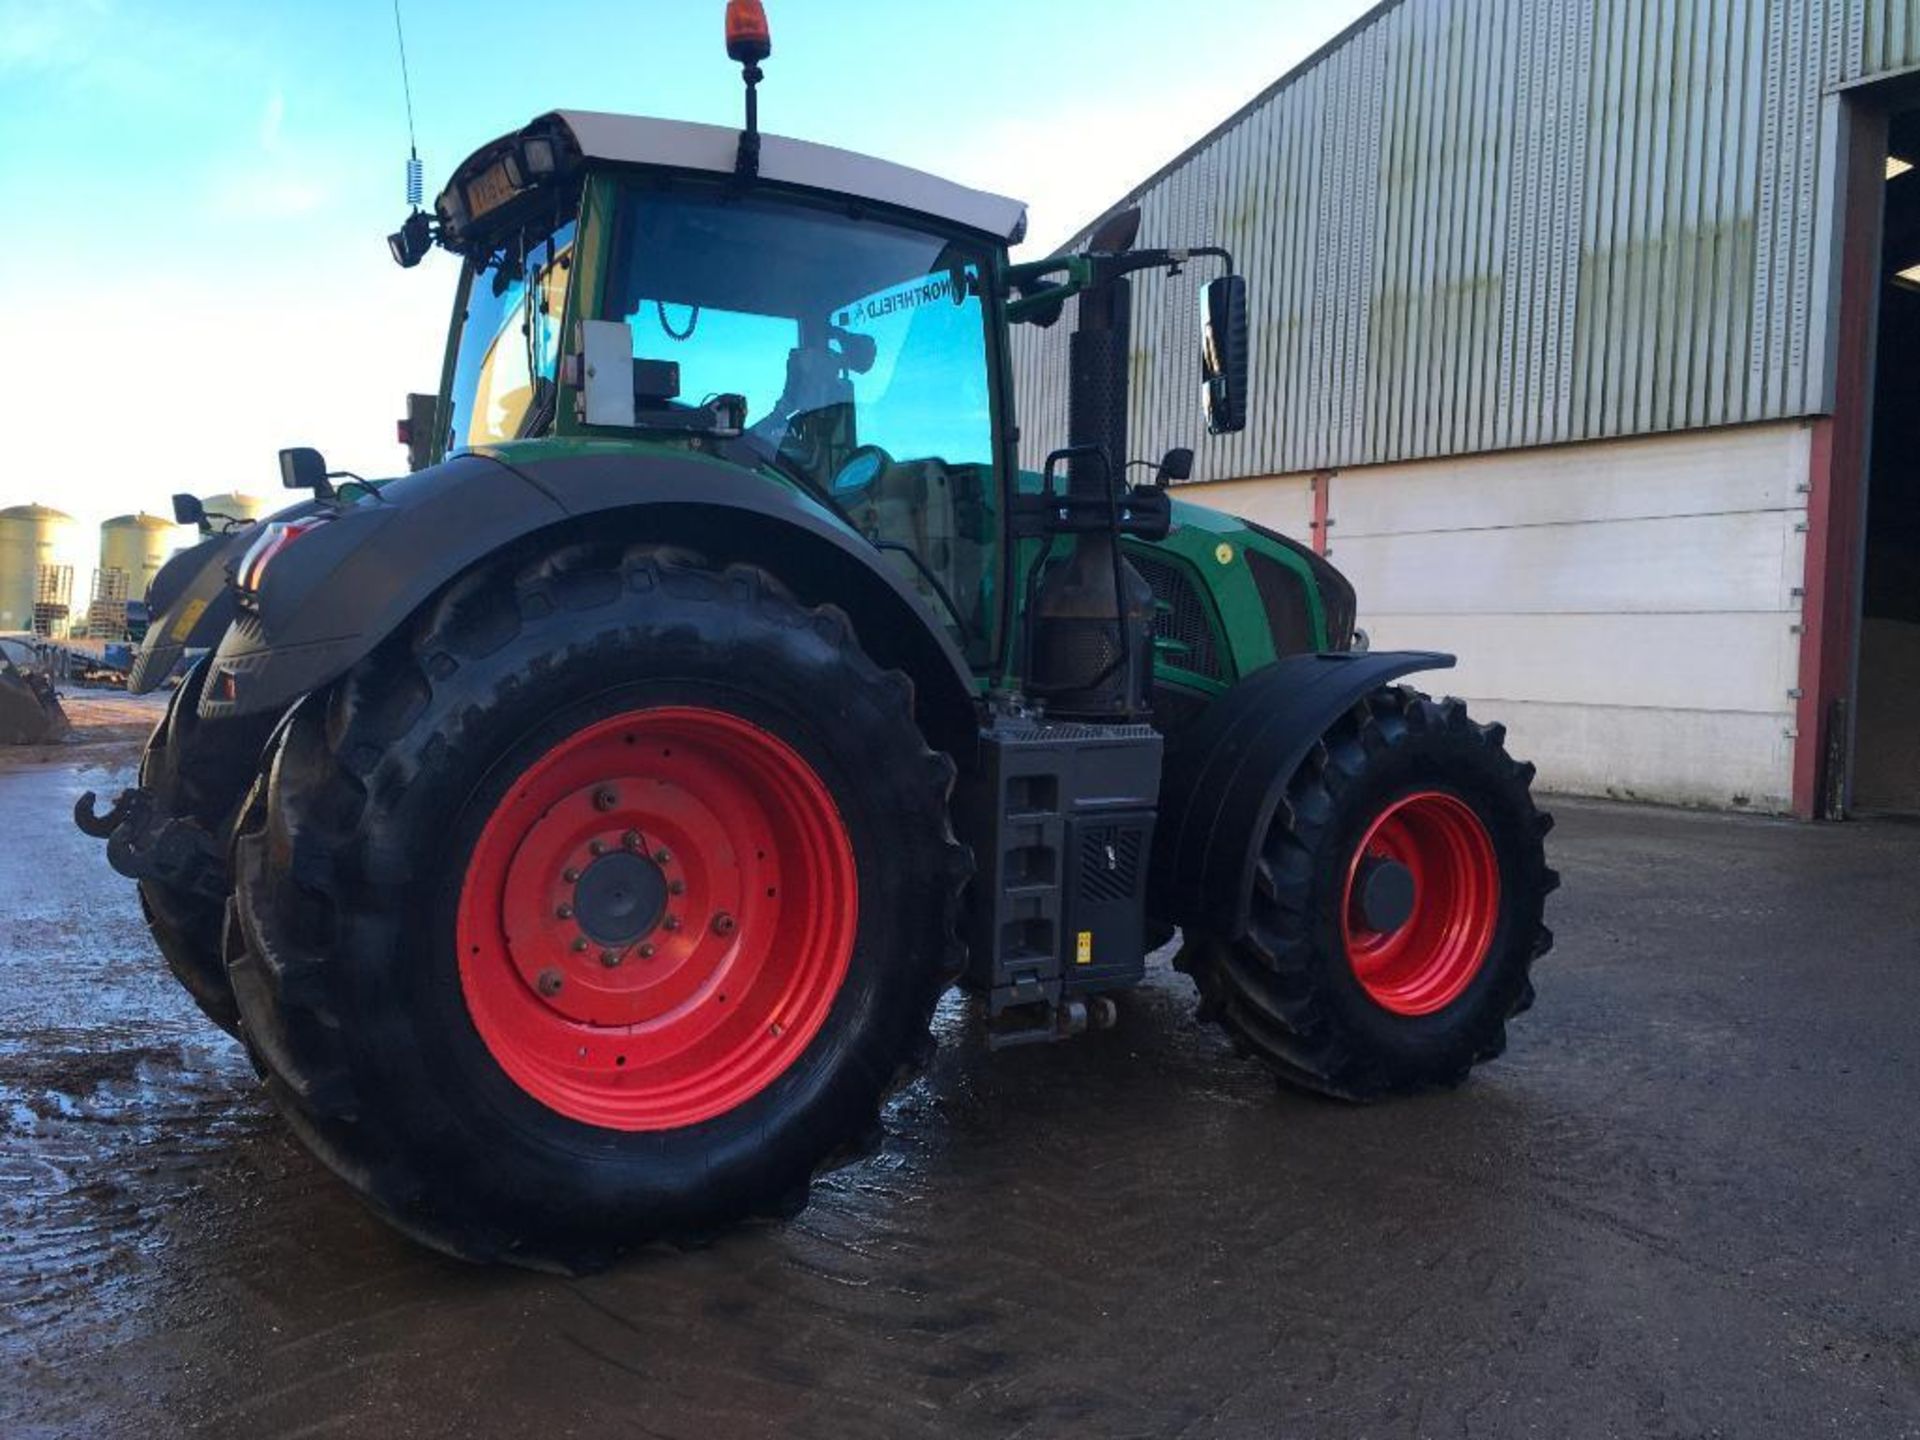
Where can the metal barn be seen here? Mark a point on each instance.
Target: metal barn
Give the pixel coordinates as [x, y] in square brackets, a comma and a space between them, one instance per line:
[1569, 317]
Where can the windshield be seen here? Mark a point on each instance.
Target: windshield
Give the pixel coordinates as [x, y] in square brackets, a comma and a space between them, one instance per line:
[510, 341]
[860, 348]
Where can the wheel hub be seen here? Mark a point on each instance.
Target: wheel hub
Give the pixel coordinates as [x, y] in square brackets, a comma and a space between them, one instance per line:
[656, 918]
[1422, 903]
[619, 898]
[1383, 894]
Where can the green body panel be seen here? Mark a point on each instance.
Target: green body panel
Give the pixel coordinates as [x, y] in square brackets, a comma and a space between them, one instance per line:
[1207, 545]
[1210, 547]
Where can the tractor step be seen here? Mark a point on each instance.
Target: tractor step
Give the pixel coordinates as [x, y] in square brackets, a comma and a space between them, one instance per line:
[1060, 818]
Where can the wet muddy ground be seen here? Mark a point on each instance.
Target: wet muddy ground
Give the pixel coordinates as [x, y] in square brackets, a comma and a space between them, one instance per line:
[1683, 1205]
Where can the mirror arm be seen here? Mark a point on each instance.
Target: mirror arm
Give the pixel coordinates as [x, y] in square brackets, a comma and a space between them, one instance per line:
[1033, 297]
[1174, 261]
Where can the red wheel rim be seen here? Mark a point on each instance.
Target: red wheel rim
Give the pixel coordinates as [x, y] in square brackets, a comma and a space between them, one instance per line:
[1423, 964]
[656, 918]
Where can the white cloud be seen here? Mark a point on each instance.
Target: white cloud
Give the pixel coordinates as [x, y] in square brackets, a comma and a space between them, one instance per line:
[272, 117]
[1071, 164]
[266, 191]
[195, 385]
[47, 36]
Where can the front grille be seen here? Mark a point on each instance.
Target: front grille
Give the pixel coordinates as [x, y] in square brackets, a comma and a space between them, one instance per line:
[1109, 863]
[1283, 595]
[1179, 617]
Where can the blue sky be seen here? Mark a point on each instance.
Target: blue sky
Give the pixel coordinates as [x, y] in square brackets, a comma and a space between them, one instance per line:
[206, 187]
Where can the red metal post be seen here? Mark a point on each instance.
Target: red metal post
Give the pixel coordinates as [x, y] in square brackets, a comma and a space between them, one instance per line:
[1322, 501]
[1837, 468]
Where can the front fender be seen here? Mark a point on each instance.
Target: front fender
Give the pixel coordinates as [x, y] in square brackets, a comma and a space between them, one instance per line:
[1225, 777]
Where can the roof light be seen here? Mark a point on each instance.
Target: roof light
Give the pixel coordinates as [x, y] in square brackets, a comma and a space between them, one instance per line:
[748, 42]
[536, 157]
[1896, 167]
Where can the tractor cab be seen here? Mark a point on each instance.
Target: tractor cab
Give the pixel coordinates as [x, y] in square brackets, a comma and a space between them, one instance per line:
[833, 321]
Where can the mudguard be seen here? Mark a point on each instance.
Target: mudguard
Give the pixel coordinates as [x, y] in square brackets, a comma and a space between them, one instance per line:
[1224, 779]
[330, 597]
[191, 608]
[191, 603]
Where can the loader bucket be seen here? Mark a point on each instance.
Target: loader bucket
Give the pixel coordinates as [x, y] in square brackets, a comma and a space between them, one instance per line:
[30, 712]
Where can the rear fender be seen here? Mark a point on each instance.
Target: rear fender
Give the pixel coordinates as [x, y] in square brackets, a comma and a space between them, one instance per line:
[190, 604]
[341, 589]
[190, 608]
[1226, 775]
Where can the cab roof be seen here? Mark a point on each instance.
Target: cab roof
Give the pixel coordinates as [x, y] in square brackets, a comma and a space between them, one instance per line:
[685, 145]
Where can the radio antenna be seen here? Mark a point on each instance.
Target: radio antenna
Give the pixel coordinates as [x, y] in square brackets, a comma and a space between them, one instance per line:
[416, 188]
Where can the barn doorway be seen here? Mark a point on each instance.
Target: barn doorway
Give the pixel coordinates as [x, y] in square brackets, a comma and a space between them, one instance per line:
[1886, 765]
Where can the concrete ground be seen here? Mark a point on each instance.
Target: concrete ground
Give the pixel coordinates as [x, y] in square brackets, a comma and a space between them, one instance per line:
[1684, 1204]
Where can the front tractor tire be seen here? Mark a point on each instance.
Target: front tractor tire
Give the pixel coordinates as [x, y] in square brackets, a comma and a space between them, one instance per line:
[1397, 907]
[603, 908]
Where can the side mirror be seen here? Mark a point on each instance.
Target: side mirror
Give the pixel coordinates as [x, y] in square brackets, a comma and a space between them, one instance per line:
[606, 373]
[189, 511]
[1116, 233]
[1176, 464]
[305, 468]
[1223, 354]
[418, 430]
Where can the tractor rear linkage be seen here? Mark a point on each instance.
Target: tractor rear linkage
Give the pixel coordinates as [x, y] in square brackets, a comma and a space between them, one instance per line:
[145, 843]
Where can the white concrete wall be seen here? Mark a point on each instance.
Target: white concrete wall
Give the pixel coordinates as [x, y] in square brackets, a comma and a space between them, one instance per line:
[1627, 608]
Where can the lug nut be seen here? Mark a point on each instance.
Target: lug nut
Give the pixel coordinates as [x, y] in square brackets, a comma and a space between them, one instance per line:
[565, 912]
[672, 922]
[569, 875]
[550, 982]
[631, 839]
[646, 951]
[605, 799]
[579, 943]
[610, 958]
[676, 887]
[661, 857]
[723, 923]
[596, 847]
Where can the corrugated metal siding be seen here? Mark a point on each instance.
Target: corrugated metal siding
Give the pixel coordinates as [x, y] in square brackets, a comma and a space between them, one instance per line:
[1484, 224]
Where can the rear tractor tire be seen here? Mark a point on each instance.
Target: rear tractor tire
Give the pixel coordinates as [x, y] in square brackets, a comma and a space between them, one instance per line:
[604, 907]
[202, 775]
[1396, 910]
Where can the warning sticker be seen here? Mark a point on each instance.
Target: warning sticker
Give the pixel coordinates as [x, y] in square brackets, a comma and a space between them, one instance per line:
[1083, 948]
[184, 622]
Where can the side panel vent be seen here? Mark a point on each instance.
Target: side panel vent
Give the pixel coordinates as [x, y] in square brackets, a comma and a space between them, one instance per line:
[1179, 618]
[1109, 862]
[1283, 595]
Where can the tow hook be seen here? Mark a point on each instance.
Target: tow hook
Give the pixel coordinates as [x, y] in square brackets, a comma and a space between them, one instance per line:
[144, 846]
[86, 813]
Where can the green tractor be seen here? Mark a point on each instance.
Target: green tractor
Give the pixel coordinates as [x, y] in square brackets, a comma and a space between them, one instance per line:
[579, 830]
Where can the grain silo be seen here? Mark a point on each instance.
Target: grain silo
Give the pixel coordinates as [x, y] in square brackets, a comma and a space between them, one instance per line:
[132, 550]
[235, 505]
[40, 552]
